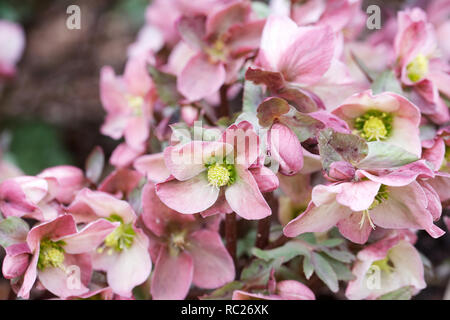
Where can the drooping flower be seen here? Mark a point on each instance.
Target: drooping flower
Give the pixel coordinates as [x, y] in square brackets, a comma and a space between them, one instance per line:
[205, 175]
[124, 253]
[385, 266]
[386, 117]
[391, 199]
[30, 197]
[57, 249]
[186, 250]
[69, 181]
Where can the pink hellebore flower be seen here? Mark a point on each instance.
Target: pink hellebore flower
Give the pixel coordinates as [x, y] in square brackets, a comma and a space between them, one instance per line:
[301, 54]
[30, 197]
[218, 176]
[57, 250]
[385, 266]
[221, 41]
[124, 253]
[128, 100]
[12, 44]
[384, 117]
[186, 250]
[69, 181]
[391, 199]
[419, 66]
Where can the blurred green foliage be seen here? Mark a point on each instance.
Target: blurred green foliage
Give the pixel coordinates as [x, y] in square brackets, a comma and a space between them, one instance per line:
[36, 145]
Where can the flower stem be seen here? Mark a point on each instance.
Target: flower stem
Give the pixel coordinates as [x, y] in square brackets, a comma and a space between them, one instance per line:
[262, 236]
[231, 234]
[224, 110]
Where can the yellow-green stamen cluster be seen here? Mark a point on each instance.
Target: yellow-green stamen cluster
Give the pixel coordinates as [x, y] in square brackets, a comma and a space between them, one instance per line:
[121, 238]
[135, 103]
[417, 69]
[177, 241]
[381, 196]
[217, 51]
[220, 174]
[374, 125]
[385, 265]
[51, 254]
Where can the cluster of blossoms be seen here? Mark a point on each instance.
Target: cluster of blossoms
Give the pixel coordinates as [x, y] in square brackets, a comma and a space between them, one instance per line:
[328, 144]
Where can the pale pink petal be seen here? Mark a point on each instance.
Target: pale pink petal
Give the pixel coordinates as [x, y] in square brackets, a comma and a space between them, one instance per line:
[265, 178]
[359, 195]
[294, 290]
[286, 149]
[172, 276]
[350, 227]
[89, 204]
[200, 78]
[309, 56]
[153, 166]
[187, 161]
[213, 265]
[15, 266]
[89, 238]
[317, 219]
[244, 196]
[190, 196]
[128, 268]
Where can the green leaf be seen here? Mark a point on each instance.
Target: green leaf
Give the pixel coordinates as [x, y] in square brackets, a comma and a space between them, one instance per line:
[245, 244]
[342, 271]
[286, 252]
[166, 86]
[94, 164]
[258, 272]
[253, 96]
[333, 242]
[13, 230]
[308, 268]
[223, 293]
[386, 81]
[404, 293]
[336, 146]
[325, 271]
[37, 145]
[385, 155]
[343, 256]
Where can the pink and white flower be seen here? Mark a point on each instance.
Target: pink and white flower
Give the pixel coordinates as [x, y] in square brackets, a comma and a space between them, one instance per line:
[124, 253]
[385, 266]
[186, 249]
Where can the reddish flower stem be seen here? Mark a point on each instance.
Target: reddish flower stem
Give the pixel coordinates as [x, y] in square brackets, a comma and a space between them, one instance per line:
[224, 110]
[262, 235]
[231, 234]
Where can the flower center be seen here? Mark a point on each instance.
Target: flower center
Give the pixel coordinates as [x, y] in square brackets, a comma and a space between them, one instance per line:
[220, 175]
[121, 238]
[135, 103]
[217, 52]
[51, 254]
[381, 196]
[374, 125]
[417, 68]
[385, 265]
